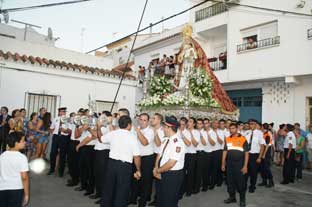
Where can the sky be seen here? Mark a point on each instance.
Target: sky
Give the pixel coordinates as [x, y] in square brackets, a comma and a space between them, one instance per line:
[101, 20]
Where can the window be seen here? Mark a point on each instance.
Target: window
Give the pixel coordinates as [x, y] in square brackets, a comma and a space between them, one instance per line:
[106, 106]
[309, 111]
[262, 31]
[237, 101]
[34, 102]
[253, 101]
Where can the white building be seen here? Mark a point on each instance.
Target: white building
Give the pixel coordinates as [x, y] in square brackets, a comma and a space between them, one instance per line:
[270, 78]
[33, 75]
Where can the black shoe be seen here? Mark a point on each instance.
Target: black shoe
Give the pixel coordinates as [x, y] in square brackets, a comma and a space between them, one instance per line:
[50, 173]
[98, 201]
[132, 203]
[188, 194]
[195, 192]
[242, 204]
[71, 184]
[211, 187]
[153, 203]
[292, 181]
[79, 189]
[284, 182]
[251, 190]
[230, 200]
[95, 196]
[61, 175]
[204, 189]
[88, 193]
[219, 184]
[70, 181]
[270, 185]
[264, 183]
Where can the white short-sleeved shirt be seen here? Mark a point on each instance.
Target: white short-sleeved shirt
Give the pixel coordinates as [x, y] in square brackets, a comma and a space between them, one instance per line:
[208, 147]
[213, 135]
[290, 139]
[225, 133]
[200, 146]
[84, 135]
[257, 140]
[148, 133]
[12, 163]
[175, 150]
[187, 135]
[72, 135]
[55, 125]
[98, 144]
[161, 135]
[196, 135]
[123, 145]
[309, 137]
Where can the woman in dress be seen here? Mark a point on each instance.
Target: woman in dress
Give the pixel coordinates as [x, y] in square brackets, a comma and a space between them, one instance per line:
[43, 135]
[280, 145]
[32, 135]
[16, 122]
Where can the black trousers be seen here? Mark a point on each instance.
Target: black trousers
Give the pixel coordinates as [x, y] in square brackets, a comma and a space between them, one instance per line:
[3, 137]
[299, 165]
[235, 178]
[189, 172]
[59, 144]
[200, 170]
[253, 169]
[265, 167]
[169, 188]
[11, 198]
[73, 161]
[100, 168]
[117, 184]
[289, 166]
[217, 176]
[87, 155]
[142, 187]
[207, 169]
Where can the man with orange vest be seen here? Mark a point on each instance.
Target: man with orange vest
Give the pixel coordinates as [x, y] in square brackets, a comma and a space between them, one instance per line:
[235, 161]
[266, 174]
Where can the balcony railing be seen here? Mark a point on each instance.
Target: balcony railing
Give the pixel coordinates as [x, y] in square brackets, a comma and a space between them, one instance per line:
[310, 33]
[210, 11]
[218, 63]
[260, 44]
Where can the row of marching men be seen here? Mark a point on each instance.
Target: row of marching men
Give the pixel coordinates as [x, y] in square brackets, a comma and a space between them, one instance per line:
[100, 160]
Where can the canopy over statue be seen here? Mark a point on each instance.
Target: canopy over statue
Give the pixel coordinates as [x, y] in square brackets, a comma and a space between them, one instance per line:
[194, 89]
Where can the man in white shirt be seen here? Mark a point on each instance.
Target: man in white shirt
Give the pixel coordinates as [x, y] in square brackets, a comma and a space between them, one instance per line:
[101, 156]
[59, 142]
[124, 149]
[208, 166]
[256, 143]
[143, 187]
[169, 165]
[290, 144]
[200, 155]
[217, 136]
[159, 137]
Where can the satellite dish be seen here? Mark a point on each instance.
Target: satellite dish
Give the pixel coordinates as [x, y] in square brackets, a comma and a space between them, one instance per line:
[6, 16]
[50, 34]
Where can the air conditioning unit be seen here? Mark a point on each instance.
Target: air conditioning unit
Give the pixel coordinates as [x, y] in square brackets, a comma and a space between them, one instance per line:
[231, 1]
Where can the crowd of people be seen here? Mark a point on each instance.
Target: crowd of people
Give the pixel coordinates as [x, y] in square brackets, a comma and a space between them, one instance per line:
[119, 161]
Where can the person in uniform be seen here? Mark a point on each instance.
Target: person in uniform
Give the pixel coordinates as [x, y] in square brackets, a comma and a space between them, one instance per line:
[289, 156]
[208, 143]
[217, 136]
[87, 155]
[266, 174]
[200, 156]
[256, 145]
[124, 150]
[235, 161]
[159, 135]
[169, 165]
[60, 141]
[143, 187]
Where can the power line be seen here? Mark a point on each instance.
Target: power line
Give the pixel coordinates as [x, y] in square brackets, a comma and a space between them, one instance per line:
[197, 5]
[129, 56]
[41, 6]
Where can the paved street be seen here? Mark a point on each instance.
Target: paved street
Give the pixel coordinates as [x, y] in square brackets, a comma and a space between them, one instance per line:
[52, 192]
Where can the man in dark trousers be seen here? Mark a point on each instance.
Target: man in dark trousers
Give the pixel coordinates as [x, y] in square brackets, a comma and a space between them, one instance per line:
[4, 127]
[124, 150]
[60, 141]
[235, 160]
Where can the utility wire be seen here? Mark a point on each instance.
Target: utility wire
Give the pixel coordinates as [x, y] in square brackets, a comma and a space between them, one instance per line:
[129, 56]
[199, 4]
[41, 6]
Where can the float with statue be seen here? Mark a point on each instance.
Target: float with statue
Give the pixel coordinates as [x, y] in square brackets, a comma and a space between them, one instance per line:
[194, 91]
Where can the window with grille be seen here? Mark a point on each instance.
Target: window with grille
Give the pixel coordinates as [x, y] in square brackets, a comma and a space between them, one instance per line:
[33, 102]
[309, 111]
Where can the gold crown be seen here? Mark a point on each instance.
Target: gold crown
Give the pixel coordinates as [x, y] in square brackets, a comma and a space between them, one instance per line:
[187, 31]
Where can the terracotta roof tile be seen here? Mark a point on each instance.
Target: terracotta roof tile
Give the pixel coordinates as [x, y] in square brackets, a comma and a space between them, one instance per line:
[117, 71]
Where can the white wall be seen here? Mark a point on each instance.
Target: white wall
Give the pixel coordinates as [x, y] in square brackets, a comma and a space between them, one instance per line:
[73, 87]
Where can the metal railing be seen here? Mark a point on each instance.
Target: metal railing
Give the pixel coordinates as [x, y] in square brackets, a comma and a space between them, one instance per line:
[309, 33]
[216, 64]
[210, 11]
[259, 44]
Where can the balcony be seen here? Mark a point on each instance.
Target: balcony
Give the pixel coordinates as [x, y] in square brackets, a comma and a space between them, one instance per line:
[310, 34]
[259, 44]
[220, 63]
[210, 11]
